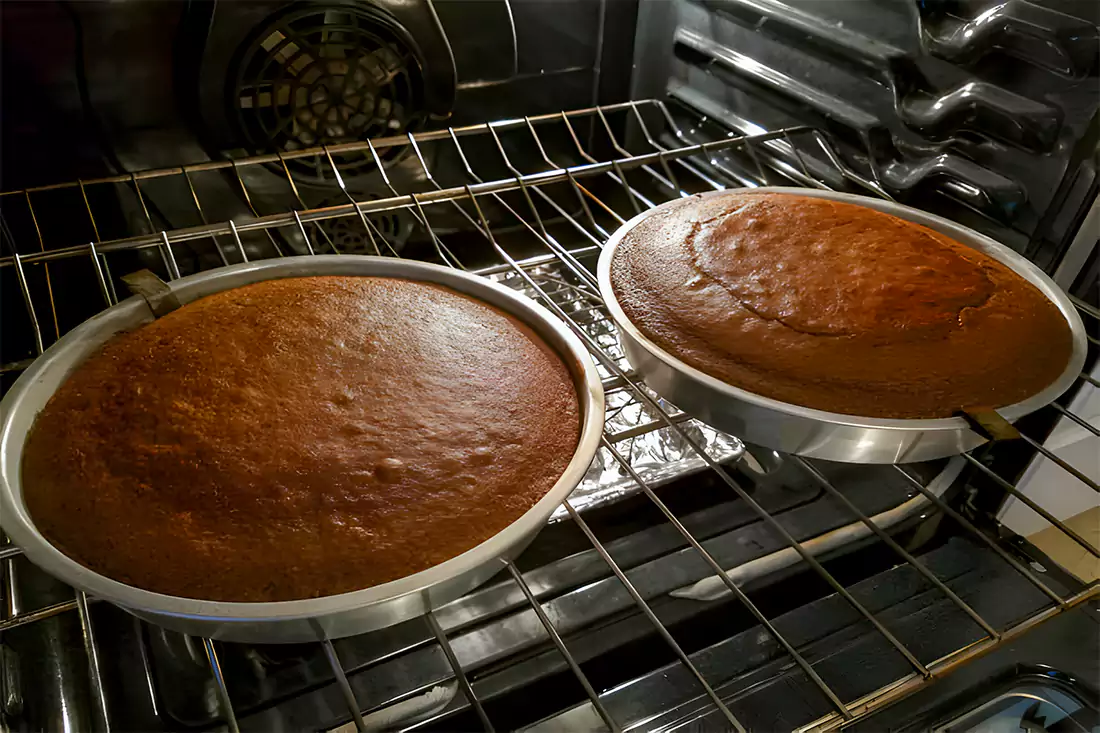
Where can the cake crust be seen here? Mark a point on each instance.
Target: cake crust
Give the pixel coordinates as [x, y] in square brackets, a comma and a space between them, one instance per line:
[837, 307]
[298, 438]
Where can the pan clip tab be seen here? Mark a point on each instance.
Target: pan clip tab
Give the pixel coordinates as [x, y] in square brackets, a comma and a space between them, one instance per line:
[158, 295]
[989, 423]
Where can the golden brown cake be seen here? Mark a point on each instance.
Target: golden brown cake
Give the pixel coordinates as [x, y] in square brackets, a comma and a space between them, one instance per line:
[299, 438]
[837, 307]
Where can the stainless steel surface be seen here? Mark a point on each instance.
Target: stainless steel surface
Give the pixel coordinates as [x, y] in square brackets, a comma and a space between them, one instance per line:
[310, 619]
[715, 587]
[652, 617]
[1030, 708]
[983, 111]
[556, 637]
[546, 217]
[816, 433]
[659, 700]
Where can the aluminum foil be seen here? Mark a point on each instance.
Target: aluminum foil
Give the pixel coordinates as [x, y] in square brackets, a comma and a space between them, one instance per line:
[657, 452]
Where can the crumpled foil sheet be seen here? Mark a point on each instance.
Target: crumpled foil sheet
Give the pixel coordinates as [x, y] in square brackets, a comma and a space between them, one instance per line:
[654, 450]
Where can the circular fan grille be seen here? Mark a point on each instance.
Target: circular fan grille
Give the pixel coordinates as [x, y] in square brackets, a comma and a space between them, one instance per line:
[349, 237]
[324, 75]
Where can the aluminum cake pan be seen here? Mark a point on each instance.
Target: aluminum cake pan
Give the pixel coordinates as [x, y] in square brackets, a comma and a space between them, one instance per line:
[816, 433]
[309, 619]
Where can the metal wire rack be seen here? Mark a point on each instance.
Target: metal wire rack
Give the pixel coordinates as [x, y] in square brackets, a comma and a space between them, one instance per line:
[643, 153]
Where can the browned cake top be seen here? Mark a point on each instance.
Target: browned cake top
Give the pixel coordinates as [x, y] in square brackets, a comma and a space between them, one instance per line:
[837, 307]
[299, 438]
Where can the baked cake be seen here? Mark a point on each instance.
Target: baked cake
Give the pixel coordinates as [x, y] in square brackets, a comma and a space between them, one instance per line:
[837, 307]
[299, 438]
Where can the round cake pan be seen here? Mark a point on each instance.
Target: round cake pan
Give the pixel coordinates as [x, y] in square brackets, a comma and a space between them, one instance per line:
[314, 618]
[816, 433]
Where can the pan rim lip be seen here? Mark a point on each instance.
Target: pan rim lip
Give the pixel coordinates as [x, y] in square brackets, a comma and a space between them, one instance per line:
[964, 235]
[17, 523]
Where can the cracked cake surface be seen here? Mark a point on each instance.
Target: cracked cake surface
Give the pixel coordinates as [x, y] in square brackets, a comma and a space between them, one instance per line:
[837, 307]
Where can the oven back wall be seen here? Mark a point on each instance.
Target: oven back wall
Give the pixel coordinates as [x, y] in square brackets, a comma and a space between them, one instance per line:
[980, 110]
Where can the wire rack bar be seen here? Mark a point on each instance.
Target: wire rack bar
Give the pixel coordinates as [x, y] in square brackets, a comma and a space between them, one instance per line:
[593, 697]
[42, 248]
[1082, 423]
[643, 395]
[721, 573]
[102, 716]
[237, 239]
[146, 667]
[649, 614]
[892, 544]
[989, 541]
[21, 276]
[12, 609]
[342, 682]
[897, 689]
[219, 682]
[335, 149]
[202, 214]
[106, 286]
[1086, 308]
[1031, 504]
[1061, 463]
[460, 675]
[354, 208]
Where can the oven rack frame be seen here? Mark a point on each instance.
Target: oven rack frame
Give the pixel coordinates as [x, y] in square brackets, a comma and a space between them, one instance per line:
[794, 154]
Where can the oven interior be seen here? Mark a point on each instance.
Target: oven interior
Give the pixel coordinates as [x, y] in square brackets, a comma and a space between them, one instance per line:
[511, 139]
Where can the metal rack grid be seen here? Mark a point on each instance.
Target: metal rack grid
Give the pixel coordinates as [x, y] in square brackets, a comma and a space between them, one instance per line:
[535, 202]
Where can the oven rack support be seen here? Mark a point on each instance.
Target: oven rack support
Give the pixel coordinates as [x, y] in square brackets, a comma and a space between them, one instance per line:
[565, 194]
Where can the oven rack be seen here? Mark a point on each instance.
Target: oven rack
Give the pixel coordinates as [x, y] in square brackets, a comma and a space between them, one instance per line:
[623, 168]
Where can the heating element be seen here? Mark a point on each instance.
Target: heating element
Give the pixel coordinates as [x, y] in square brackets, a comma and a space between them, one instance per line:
[538, 226]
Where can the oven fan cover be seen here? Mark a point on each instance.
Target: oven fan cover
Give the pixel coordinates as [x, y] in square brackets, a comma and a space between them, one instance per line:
[348, 236]
[326, 74]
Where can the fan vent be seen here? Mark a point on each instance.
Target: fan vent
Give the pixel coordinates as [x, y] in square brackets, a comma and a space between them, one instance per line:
[349, 236]
[323, 75]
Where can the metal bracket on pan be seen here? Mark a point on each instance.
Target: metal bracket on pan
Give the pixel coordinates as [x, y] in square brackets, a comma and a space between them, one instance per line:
[157, 294]
[990, 424]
